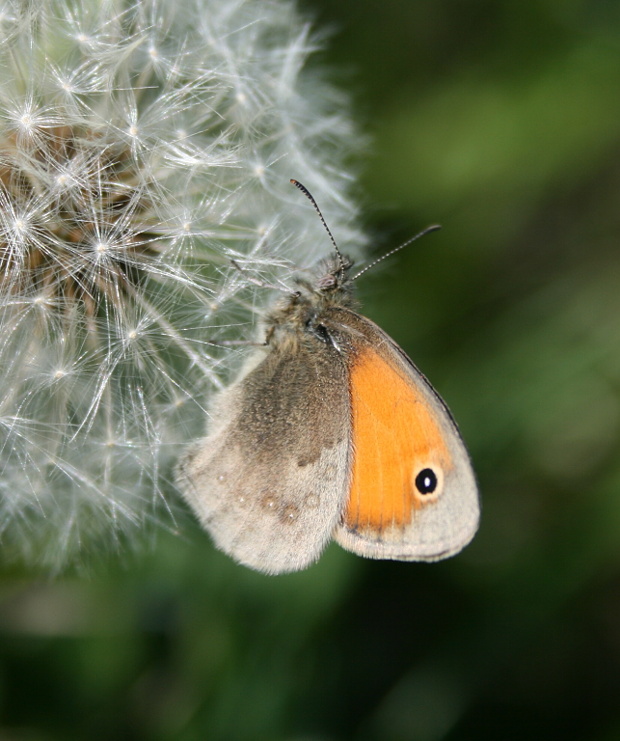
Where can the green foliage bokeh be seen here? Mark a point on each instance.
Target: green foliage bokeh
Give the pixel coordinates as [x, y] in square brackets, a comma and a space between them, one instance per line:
[501, 121]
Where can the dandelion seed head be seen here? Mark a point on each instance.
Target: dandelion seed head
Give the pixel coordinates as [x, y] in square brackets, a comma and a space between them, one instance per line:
[143, 147]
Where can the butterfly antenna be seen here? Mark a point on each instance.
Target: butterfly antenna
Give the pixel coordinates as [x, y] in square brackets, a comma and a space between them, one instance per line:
[424, 232]
[309, 196]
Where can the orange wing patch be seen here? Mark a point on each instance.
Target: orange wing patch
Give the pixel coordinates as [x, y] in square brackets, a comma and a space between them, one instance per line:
[396, 438]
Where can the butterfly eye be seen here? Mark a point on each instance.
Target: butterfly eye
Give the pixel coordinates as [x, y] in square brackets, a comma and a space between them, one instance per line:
[327, 281]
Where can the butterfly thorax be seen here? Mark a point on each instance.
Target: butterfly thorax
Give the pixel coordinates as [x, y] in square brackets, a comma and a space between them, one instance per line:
[301, 317]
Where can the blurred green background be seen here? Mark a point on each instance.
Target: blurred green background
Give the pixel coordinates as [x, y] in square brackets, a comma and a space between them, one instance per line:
[499, 119]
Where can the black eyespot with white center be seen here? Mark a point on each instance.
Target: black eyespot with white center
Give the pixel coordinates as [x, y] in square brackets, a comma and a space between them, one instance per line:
[426, 481]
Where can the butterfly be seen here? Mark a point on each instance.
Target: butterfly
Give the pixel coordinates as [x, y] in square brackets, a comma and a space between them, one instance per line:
[330, 432]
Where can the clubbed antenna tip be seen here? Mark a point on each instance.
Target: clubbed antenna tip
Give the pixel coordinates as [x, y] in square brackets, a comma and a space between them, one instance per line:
[310, 197]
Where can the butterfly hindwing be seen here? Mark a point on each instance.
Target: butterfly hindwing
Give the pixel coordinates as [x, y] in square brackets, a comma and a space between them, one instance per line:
[269, 480]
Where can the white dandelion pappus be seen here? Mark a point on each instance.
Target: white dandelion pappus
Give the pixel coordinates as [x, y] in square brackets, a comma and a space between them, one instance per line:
[142, 148]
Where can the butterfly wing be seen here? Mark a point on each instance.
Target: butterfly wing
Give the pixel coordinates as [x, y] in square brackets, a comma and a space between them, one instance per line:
[413, 493]
[270, 479]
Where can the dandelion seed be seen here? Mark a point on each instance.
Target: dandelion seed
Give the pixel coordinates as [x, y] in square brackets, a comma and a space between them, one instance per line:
[142, 148]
